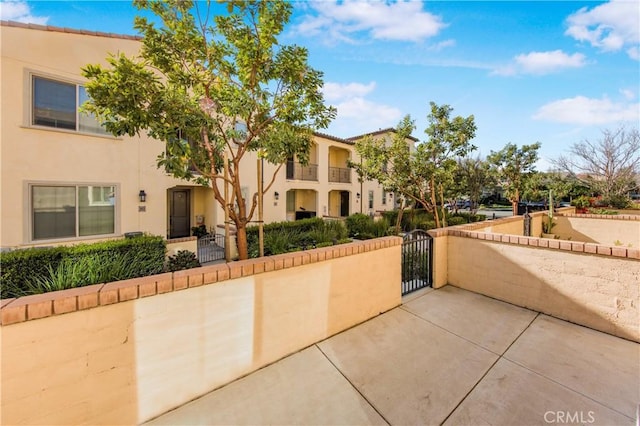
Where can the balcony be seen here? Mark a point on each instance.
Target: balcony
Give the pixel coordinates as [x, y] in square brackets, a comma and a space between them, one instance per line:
[297, 171]
[339, 174]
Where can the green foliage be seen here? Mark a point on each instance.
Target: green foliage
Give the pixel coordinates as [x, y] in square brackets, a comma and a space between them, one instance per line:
[618, 201]
[358, 224]
[456, 220]
[206, 82]
[199, 231]
[183, 259]
[26, 271]
[428, 170]
[365, 227]
[582, 202]
[514, 167]
[284, 237]
[603, 211]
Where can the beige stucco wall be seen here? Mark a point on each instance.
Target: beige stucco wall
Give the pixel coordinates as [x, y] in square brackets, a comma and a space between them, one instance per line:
[32, 154]
[598, 291]
[127, 362]
[603, 231]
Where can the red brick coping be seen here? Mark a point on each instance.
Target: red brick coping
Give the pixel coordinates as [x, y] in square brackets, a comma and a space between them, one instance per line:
[26, 308]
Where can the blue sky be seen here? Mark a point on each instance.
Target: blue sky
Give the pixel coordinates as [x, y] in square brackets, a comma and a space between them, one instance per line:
[548, 71]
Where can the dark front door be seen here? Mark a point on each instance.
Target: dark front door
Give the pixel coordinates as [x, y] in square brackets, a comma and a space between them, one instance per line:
[179, 214]
[344, 203]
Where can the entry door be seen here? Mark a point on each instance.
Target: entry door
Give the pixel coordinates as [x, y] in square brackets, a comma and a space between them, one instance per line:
[179, 214]
[344, 203]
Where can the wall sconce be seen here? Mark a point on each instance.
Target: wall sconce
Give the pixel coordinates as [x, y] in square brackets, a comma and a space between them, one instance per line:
[142, 196]
[276, 195]
[357, 196]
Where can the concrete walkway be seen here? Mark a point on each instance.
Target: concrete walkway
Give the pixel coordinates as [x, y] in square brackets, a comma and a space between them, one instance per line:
[445, 356]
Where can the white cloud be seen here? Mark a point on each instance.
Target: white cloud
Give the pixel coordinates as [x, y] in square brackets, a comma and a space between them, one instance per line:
[402, 20]
[609, 26]
[588, 111]
[442, 45]
[337, 91]
[356, 114]
[20, 11]
[540, 63]
[628, 94]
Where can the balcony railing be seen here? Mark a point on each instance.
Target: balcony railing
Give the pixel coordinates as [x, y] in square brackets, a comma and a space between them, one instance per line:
[297, 171]
[339, 174]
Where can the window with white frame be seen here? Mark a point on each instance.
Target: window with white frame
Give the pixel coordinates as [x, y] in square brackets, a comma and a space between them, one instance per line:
[56, 104]
[370, 199]
[384, 197]
[72, 211]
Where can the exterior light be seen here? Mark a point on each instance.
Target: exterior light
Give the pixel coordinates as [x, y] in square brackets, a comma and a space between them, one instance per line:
[276, 195]
[142, 196]
[357, 195]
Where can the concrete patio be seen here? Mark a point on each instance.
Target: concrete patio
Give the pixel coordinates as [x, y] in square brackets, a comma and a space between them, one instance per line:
[445, 356]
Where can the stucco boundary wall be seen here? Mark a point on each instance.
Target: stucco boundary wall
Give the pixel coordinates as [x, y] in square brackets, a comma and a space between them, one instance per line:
[128, 351]
[595, 285]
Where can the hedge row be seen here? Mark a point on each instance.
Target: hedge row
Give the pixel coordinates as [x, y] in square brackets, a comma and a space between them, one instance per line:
[37, 270]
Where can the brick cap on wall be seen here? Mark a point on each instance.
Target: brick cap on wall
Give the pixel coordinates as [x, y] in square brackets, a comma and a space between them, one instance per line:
[13, 311]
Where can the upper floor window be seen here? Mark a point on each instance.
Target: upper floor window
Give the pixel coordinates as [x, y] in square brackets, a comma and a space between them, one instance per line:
[56, 104]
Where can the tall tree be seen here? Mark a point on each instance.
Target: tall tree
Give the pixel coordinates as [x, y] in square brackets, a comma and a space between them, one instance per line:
[472, 176]
[207, 83]
[448, 139]
[609, 166]
[421, 174]
[513, 167]
[391, 164]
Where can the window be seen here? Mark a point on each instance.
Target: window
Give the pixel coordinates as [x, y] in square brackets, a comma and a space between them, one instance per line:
[55, 104]
[384, 197]
[370, 200]
[70, 211]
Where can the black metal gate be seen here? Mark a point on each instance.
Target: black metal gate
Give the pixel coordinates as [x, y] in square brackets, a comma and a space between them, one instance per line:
[210, 248]
[416, 261]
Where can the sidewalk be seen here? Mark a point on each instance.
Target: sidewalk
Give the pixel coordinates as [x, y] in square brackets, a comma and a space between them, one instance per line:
[445, 356]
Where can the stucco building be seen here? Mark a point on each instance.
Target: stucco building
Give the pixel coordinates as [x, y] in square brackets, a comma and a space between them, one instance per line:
[64, 180]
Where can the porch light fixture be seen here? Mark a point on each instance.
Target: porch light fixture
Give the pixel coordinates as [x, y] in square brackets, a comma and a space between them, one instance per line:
[276, 195]
[357, 195]
[142, 196]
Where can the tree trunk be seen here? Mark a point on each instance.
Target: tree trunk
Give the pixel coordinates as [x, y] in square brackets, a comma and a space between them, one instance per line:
[399, 219]
[241, 240]
[433, 202]
[444, 214]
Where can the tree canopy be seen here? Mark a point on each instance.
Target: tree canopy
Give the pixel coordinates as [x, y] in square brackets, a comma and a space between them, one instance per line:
[513, 167]
[419, 175]
[207, 83]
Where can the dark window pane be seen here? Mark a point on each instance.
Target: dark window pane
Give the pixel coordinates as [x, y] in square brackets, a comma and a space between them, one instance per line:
[54, 212]
[54, 104]
[96, 210]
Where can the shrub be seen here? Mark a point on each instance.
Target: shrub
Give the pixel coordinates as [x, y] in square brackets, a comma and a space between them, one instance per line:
[199, 231]
[37, 269]
[457, 220]
[183, 259]
[619, 202]
[358, 224]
